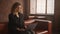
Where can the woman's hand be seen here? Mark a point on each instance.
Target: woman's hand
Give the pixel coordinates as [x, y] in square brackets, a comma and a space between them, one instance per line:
[20, 29]
[25, 27]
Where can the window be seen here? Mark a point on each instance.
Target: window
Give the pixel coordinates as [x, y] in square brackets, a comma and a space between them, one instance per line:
[42, 7]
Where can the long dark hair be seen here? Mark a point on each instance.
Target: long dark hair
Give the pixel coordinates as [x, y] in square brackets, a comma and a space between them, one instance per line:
[14, 6]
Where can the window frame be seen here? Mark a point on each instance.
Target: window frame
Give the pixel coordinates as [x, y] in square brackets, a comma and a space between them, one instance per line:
[41, 14]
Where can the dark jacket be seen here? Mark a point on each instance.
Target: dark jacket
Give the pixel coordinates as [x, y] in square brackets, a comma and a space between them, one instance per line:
[15, 22]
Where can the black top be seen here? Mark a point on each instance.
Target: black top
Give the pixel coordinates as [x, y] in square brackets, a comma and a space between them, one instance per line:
[15, 22]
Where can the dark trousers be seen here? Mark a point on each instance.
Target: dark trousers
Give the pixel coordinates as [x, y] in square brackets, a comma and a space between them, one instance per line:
[21, 32]
[18, 32]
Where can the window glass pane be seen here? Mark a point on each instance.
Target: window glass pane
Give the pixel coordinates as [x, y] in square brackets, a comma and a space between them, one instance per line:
[50, 6]
[41, 5]
[32, 6]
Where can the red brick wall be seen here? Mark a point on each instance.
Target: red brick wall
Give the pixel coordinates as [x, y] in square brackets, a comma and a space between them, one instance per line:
[5, 7]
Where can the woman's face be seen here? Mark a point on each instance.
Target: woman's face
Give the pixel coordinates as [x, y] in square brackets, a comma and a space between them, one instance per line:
[19, 9]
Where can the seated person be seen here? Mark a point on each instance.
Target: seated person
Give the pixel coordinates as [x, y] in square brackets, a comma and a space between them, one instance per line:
[16, 20]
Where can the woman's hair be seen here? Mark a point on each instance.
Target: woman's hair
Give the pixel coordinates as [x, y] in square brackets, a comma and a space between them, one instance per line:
[14, 6]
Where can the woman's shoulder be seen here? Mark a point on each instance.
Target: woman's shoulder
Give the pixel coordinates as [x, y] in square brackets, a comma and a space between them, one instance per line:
[10, 14]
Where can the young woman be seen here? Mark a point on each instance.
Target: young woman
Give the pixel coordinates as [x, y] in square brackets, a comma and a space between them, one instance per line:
[16, 20]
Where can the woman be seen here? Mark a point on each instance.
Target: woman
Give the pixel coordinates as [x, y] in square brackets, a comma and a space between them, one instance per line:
[16, 20]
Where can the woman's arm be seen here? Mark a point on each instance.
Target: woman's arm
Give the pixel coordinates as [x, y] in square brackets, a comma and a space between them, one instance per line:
[21, 23]
[20, 29]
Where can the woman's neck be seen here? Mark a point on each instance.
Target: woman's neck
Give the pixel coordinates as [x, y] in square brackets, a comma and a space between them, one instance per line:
[16, 13]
